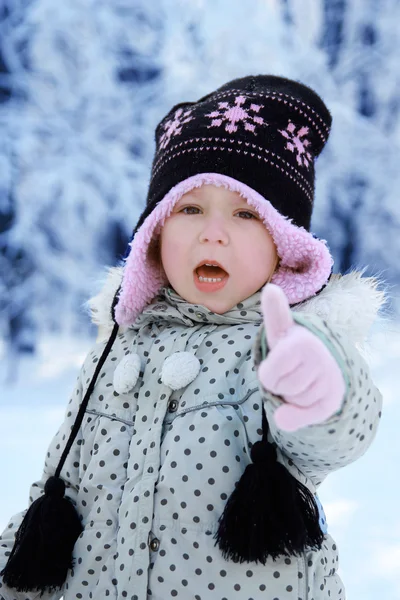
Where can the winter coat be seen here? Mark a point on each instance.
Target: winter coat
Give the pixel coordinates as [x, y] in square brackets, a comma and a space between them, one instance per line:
[152, 468]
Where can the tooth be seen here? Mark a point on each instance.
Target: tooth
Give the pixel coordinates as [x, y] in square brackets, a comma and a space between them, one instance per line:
[209, 279]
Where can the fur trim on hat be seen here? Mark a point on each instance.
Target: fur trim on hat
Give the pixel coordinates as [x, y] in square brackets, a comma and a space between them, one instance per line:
[305, 261]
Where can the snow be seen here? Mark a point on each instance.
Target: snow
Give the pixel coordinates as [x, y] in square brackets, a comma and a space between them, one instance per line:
[360, 501]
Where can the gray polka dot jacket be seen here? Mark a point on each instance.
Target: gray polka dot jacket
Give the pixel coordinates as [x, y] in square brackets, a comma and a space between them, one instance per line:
[167, 433]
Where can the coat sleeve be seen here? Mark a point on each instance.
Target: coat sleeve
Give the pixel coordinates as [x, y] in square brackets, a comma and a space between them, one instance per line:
[318, 449]
[70, 475]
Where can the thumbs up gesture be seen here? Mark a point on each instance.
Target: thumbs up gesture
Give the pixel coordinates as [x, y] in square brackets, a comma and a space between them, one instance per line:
[299, 367]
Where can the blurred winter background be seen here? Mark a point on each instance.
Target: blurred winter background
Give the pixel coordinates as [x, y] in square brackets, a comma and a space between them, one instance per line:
[82, 86]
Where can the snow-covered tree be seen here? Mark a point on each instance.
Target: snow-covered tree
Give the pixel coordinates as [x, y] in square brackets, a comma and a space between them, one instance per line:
[83, 85]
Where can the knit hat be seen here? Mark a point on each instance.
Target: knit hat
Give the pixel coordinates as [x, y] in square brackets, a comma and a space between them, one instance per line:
[258, 136]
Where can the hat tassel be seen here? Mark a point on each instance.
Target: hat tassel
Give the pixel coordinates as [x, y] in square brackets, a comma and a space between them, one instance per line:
[44, 543]
[42, 552]
[270, 513]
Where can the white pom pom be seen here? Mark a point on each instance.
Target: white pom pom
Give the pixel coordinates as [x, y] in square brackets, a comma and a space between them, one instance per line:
[180, 369]
[126, 374]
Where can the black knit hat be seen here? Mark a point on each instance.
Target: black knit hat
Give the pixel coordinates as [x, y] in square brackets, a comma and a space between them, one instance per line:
[264, 131]
[258, 136]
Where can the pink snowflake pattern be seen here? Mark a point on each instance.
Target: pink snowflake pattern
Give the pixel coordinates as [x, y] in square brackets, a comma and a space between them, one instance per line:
[174, 126]
[235, 114]
[297, 143]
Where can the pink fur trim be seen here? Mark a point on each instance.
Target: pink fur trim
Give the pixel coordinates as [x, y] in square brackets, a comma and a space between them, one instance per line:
[305, 263]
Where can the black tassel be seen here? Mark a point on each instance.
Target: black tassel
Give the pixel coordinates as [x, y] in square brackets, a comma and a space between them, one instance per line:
[42, 552]
[44, 543]
[270, 513]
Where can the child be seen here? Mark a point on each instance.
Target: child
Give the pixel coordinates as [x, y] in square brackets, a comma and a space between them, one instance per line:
[225, 384]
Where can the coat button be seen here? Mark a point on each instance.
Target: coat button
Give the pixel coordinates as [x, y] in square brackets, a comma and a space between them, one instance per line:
[172, 406]
[154, 544]
[199, 315]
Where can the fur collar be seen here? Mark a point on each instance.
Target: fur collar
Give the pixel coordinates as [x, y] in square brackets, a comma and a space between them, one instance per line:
[350, 303]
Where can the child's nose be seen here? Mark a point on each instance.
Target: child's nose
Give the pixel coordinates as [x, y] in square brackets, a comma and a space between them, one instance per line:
[215, 231]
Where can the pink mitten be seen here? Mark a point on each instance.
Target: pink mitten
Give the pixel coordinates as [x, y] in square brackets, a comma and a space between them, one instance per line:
[299, 367]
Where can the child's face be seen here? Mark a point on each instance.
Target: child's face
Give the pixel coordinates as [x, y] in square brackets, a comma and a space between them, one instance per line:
[212, 224]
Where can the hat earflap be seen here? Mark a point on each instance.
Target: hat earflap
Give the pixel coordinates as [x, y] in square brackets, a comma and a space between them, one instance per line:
[270, 513]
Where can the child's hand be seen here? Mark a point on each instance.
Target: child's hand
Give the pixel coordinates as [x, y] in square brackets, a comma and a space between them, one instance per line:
[299, 367]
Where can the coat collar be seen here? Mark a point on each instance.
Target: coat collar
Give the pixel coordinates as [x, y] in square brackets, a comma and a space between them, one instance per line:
[350, 303]
[169, 306]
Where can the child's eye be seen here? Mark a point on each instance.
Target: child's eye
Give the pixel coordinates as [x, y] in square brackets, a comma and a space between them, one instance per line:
[193, 210]
[189, 208]
[248, 214]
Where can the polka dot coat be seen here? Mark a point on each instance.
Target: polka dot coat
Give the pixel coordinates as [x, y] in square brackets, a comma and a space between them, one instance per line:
[155, 462]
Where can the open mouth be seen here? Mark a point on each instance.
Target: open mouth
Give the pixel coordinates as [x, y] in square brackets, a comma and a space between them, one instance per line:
[211, 272]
